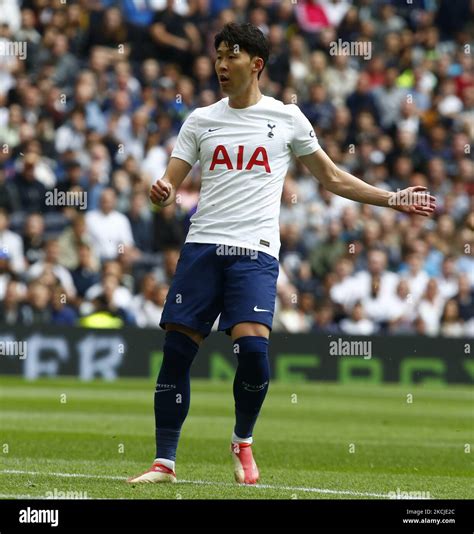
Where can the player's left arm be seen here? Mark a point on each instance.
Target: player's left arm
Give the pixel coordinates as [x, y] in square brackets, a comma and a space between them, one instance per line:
[415, 200]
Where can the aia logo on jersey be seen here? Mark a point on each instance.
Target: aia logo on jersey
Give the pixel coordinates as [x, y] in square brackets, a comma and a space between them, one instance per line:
[259, 158]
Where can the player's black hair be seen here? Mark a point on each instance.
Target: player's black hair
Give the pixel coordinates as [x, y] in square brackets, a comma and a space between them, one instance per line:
[248, 37]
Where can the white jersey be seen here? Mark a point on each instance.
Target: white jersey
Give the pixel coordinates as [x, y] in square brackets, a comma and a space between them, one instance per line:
[244, 156]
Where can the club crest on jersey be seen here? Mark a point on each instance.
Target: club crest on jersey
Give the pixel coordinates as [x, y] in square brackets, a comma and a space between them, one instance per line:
[270, 133]
[259, 158]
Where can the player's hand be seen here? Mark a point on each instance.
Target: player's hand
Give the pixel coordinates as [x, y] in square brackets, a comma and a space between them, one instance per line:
[414, 200]
[161, 193]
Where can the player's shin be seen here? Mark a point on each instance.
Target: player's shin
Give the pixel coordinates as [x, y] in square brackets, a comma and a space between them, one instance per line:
[250, 384]
[172, 394]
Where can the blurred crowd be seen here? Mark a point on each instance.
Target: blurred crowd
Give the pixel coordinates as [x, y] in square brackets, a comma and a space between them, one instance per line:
[94, 108]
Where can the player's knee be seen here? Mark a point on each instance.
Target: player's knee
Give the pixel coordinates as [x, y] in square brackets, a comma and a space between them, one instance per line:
[250, 329]
[179, 351]
[252, 355]
[193, 334]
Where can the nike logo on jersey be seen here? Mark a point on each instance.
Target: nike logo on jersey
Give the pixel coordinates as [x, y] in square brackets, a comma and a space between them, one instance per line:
[259, 310]
[213, 129]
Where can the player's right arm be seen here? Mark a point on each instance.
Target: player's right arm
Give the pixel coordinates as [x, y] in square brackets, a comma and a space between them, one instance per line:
[184, 156]
[163, 191]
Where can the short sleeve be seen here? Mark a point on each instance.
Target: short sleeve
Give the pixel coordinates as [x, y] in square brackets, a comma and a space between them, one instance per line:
[304, 140]
[186, 146]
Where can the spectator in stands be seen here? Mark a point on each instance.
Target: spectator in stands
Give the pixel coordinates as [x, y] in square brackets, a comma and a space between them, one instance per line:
[51, 262]
[10, 303]
[109, 229]
[36, 310]
[86, 273]
[326, 253]
[108, 32]
[431, 308]
[147, 306]
[73, 179]
[362, 99]
[376, 273]
[61, 312]
[357, 324]
[416, 277]
[29, 190]
[8, 201]
[319, 110]
[465, 298]
[6, 272]
[403, 309]
[288, 317]
[122, 296]
[168, 228]
[378, 306]
[341, 79]
[451, 323]
[389, 98]
[72, 134]
[175, 36]
[33, 238]
[293, 250]
[140, 221]
[165, 272]
[278, 65]
[448, 281]
[106, 303]
[65, 63]
[11, 243]
[324, 319]
[70, 240]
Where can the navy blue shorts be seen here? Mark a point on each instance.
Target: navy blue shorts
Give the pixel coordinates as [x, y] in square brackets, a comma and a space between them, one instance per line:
[217, 279]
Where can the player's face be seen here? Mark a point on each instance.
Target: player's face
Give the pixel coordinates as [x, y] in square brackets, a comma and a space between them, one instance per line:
[233, 68]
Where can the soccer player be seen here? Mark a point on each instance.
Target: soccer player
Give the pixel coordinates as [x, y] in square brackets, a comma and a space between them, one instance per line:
[229, 262]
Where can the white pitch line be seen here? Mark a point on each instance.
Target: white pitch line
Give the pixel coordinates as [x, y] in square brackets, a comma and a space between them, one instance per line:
[41, 497]
[209, 483]
[15, 496]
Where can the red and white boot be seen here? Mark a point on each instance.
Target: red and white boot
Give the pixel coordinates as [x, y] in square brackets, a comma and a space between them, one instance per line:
[245, 468]
[156, 474]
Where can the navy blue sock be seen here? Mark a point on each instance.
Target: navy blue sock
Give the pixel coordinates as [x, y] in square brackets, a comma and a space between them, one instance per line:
[251, 382]
[173, 392]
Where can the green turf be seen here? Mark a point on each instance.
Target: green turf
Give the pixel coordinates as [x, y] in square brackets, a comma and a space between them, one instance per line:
[302, 440]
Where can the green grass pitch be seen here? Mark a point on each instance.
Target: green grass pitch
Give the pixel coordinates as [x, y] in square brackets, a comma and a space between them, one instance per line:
[312, 441]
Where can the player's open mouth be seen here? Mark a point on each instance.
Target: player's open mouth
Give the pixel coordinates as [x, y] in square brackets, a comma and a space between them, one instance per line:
[223, 79]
